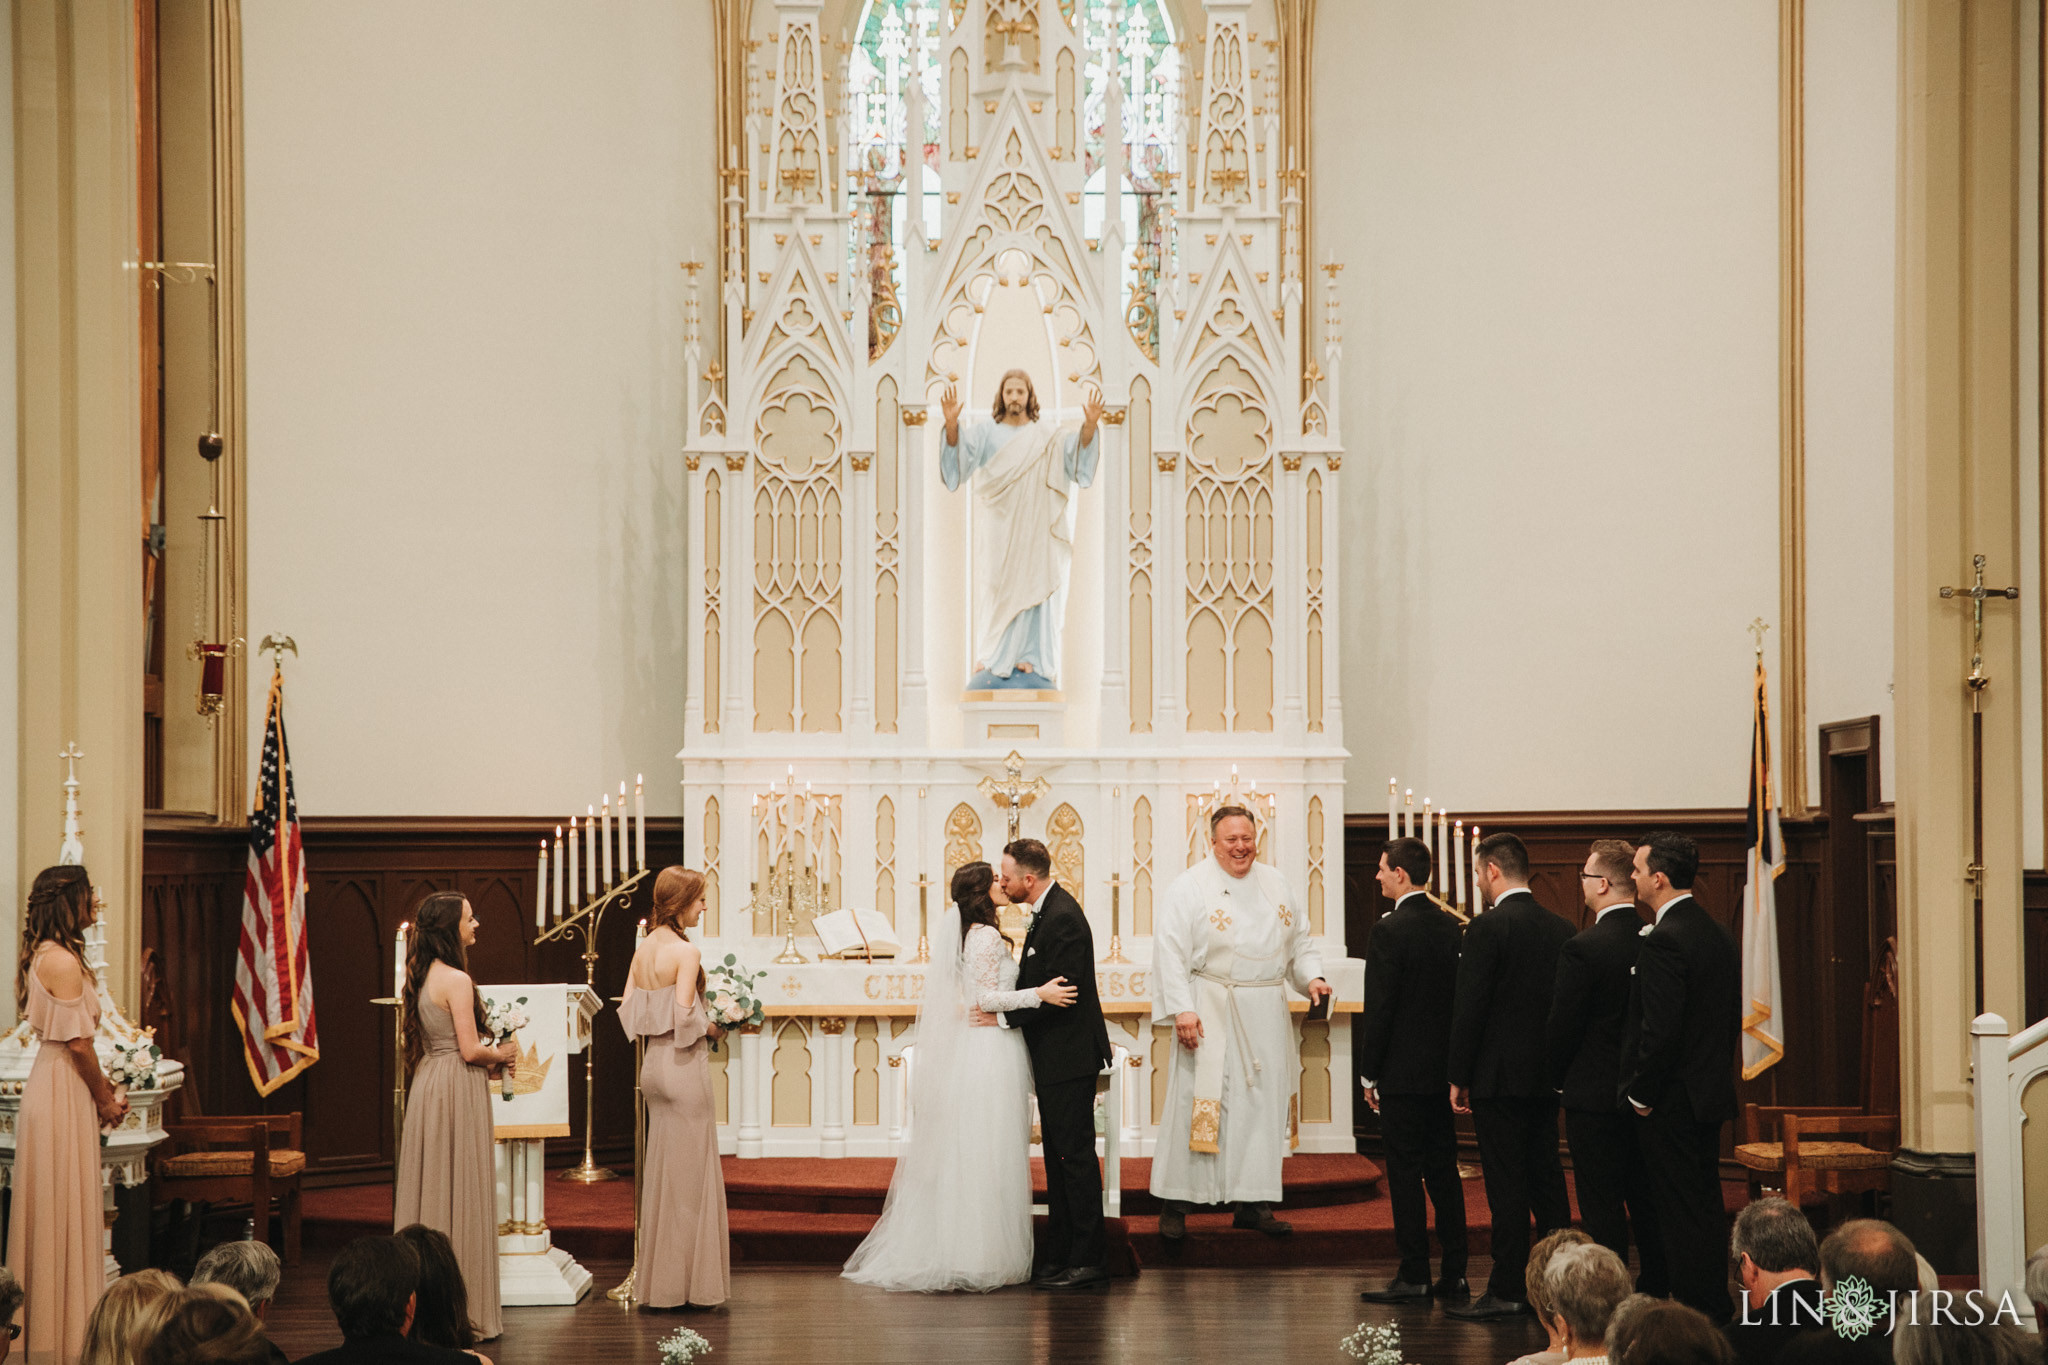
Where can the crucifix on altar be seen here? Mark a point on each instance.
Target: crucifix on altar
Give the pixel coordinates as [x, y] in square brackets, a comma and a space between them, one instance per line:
[1013, 793]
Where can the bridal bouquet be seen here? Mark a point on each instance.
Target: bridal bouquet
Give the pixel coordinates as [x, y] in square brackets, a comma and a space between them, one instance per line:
[682, 1346]
[134, 1065]
[729, 994]
[502, 1021]
[1374, 1345]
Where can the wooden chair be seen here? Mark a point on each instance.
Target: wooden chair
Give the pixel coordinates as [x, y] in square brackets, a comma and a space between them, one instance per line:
[245, 1159]
[1810, 1170]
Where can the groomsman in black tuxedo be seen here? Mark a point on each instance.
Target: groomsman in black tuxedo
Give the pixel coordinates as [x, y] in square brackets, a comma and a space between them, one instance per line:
[1678, 1068]
[1411, 976]
[1587, 1012]
[1497, 1073]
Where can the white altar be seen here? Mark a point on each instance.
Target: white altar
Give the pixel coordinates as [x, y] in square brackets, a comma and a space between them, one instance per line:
[998, 190]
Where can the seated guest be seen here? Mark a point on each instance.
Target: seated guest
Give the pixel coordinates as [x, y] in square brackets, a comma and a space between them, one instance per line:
[1674, 1334]
[127, 1316]
[373, 1288]
[442, 1316]
[251, 1269]
[1882, 1257]
[1621, 1326]
[1939, 1331]
[1777, 1264]
[208, 1324]
[10, 1304]
[1539, 1296]
[1584, 1284]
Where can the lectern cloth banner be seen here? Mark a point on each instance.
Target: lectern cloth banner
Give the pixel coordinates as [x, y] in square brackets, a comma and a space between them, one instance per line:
[539, 1107]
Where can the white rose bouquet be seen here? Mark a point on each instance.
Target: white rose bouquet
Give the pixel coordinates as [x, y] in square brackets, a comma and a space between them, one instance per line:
[729, 994]
[503, 1020]
[1375, 1345]
[134, 1065]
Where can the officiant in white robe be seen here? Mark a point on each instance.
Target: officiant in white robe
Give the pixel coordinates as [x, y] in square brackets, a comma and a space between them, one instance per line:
[1230, 939]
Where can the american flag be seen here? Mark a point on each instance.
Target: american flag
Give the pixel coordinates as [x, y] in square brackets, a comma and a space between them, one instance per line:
[273, 974]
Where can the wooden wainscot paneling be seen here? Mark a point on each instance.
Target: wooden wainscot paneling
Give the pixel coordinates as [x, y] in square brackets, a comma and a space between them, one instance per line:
[364, 876]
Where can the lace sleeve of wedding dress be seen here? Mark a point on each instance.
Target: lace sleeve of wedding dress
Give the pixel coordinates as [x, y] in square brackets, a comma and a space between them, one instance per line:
[986, 952]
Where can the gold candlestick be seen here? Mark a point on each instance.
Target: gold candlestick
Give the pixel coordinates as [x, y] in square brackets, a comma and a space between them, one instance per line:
[1116, 944]
[586, 921]
[924, 943]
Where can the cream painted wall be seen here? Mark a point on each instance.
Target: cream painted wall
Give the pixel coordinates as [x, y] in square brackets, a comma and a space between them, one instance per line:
[10, 531]
[1560, 392]
[1852, 117]
[464, 369]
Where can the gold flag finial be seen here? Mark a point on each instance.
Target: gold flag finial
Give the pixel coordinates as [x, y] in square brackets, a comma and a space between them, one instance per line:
[1756, 631]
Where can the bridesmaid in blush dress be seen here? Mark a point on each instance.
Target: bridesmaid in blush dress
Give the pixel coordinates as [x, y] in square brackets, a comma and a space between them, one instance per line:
[684, 1257]
[446, 1175]
[54, 1244]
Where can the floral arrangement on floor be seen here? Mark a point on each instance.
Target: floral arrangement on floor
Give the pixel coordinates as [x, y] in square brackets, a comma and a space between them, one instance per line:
[503, 1019]
[729, 995]
[134, 1064]
[682, 1346]
[1379, 1345]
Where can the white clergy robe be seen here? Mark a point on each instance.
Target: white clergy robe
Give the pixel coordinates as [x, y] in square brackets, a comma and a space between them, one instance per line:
[1024, 480]
[1216, 928]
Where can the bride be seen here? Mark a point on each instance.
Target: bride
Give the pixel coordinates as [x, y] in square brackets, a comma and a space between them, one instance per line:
[959, 1208]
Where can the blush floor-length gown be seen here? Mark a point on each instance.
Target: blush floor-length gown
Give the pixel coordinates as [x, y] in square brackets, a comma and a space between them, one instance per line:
[685, 1257]
[54, 1245]
[447, 1176]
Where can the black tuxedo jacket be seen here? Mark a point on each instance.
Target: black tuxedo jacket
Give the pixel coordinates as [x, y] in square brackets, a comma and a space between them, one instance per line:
[1759, 1334]
[387, 1349]
[1589, 1008]
[1069, 1043]
[1411, 979]
[1684, 1016]
[1506, 970]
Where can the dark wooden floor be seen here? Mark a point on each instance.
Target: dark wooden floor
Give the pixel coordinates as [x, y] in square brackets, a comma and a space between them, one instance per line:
[803, 1313]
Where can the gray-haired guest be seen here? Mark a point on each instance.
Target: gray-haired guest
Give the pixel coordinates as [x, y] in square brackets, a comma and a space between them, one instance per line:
[10, 1304]
[1585, 1284]
[1776, 1259]
[252, 1270]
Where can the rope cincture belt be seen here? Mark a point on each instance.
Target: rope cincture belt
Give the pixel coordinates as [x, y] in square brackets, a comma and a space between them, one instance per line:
[1206, 1122]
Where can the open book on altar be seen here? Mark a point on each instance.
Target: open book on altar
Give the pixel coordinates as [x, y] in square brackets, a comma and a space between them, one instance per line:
[855, 933]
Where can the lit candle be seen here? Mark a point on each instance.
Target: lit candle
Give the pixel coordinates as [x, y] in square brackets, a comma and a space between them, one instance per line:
[1458, 863]
[560, 869]
[398, 967]
[1443, 850]
[1408, 813]
[1393, 810]
[590, 851]
[1429, 840]
[540, 890]
[639, 825]
[639, 935]
[625, 841]
[575, 857]
[604, 838]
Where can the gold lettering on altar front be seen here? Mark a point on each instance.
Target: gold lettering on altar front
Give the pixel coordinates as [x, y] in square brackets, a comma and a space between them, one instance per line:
[1117, 985]
[894, 986]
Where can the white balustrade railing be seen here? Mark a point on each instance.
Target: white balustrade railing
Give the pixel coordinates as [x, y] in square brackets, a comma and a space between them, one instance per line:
[2003, 1065]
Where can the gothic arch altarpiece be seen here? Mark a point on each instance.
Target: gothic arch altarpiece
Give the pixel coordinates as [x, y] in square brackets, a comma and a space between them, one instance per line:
[828, 629]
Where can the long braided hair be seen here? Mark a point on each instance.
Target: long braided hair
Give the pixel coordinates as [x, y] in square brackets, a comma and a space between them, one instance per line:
[436, 937]
[59, 908]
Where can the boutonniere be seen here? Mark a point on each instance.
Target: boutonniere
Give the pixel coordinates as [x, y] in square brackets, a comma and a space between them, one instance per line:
[1644, 932]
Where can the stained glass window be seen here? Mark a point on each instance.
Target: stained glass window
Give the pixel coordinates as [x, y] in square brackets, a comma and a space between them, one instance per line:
[898, 47]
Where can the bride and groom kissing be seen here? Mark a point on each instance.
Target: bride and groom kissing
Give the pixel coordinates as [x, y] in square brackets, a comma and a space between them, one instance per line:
[990, 1028]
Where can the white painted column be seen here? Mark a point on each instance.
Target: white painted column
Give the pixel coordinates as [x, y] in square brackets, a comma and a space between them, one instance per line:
[829, 1078]
[749, 1050]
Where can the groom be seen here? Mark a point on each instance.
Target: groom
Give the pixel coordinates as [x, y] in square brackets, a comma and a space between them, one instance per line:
[1068, 1048]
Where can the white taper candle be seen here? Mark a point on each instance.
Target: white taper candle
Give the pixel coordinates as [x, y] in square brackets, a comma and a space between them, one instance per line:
[625, 838]
[590, 850]
[1393, 810]
[398, 967]
[561, 870]
[540, 889]
[604, 838]
[639, 824]
[575, 857]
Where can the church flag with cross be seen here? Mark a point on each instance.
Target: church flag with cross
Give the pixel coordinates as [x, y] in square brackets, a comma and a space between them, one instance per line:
[273, 1001]
[1763, 1028]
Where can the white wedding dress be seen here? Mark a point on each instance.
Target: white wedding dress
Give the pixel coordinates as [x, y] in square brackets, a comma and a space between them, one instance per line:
[959, 1208]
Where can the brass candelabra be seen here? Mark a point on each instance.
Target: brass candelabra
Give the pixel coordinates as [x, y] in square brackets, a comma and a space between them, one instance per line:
[790, 891]
[586, 920]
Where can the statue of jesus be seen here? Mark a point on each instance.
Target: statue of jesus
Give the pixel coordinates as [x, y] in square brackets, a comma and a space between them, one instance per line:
[1025, 472]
